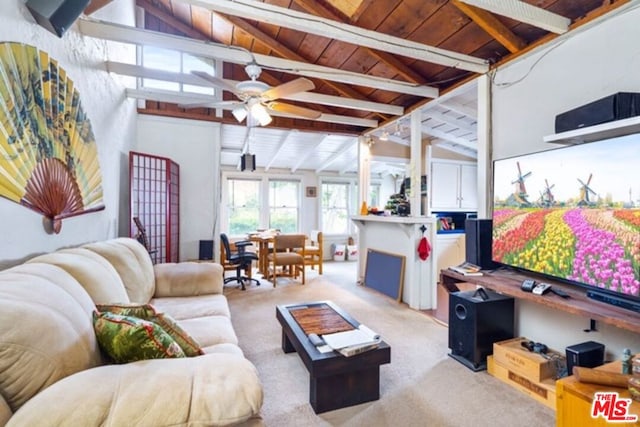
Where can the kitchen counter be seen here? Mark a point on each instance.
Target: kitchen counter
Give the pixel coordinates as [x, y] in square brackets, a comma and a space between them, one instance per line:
[400, 235]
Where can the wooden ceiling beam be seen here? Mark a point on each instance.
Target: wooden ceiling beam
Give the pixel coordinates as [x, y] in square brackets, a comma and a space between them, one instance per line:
[181, 98]
[492, 25]
[316, 8]
[310, 24]
[308, 97]
[127, 34]
[525, 12]
[95, 5]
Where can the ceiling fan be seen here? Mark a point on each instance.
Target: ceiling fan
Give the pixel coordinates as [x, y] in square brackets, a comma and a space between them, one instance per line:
[256, 98]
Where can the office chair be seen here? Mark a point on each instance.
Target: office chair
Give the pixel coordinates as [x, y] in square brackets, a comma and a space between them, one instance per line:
[240, 258]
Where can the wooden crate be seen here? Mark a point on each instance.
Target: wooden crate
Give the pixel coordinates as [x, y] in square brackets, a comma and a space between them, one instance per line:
[544, 391]
[530, 365]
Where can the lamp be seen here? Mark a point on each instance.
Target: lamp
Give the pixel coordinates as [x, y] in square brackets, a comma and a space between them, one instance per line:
[258, 111]
[240, 113]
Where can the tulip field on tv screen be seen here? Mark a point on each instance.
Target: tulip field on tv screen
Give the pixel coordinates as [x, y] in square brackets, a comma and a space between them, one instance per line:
[572, 213]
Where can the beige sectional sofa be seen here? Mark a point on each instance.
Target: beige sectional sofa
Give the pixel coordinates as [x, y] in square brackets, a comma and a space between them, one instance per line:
[52, 372]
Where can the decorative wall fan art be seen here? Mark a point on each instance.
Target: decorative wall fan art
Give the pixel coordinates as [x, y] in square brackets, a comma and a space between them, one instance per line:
[48, 154]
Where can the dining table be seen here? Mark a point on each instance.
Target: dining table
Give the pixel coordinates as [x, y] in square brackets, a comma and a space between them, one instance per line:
[262, 240]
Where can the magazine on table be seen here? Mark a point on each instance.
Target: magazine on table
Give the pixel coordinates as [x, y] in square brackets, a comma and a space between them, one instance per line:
[467, 269]
[354, 341]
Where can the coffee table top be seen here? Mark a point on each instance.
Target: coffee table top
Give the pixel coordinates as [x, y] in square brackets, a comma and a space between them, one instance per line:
[325, 316]
[319, 318]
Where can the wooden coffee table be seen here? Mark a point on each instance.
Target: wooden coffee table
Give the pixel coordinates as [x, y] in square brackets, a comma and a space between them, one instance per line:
[335, 381]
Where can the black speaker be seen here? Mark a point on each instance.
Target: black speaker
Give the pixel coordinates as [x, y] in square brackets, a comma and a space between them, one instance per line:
[477, 319]
[56, 16]
[248, 161]
[206, 250]
[621, 105]
[478, 242]
[588, 354]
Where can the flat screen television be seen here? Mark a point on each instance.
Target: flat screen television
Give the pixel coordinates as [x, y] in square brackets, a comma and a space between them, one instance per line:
[573, 214]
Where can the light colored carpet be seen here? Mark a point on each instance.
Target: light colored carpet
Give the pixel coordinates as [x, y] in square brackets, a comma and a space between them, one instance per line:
[421, 386]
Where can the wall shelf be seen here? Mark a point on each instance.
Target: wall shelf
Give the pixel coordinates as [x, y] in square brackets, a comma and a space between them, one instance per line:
[508, 282]
[596, 133]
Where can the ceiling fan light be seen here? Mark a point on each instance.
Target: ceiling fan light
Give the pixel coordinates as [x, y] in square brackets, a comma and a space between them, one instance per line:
[260, 113]
[240, 113]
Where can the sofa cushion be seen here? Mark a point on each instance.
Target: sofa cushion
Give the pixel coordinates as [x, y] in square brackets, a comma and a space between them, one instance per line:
[92, 271]
[127, 339]
[211, 390]
[188, 279]
[210, 330]
[226, 348]
[188, 307]
[167, 323]
[133, 264]
[46, 332]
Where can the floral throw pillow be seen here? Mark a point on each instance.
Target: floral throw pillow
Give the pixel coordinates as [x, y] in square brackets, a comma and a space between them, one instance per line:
[127, 339]
[141, 311]
[148, 312]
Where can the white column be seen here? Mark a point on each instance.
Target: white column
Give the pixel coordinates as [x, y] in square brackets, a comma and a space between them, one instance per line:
[485, 192]
[415, 165]
[364, 170]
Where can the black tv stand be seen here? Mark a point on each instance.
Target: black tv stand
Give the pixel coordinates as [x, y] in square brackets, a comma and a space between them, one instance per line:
[613, 300]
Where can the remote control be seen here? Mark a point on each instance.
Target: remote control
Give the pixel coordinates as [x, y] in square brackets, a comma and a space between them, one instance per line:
[541, 288]
[316, 340]
[560, 293]
[528, 285]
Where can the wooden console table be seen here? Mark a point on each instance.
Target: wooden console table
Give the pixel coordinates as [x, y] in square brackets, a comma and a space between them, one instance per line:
[508, 282]
[574, 400]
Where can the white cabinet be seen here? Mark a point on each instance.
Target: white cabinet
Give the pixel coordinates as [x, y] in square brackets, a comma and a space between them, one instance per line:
[450, 250]
[454, 186]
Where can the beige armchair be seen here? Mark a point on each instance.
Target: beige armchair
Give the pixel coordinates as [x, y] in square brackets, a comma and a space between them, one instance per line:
[287, 253]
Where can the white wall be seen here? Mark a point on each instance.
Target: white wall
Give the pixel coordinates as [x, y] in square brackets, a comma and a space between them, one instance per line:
[113, 121]
[194, 146]
[595, 63]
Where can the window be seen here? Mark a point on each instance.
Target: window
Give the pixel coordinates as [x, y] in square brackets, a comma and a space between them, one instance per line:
[335, 208]
[176, 62]
[284, 198]
[244, 206]
[374, 196]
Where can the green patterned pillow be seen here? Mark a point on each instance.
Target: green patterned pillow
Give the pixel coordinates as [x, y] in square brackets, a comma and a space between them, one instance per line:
[141, 311]
[167, 323]
[189, 345]
[127, 339]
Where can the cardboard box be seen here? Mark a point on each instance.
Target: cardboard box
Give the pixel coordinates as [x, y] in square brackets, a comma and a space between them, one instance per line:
[544, 391]
[533, 366]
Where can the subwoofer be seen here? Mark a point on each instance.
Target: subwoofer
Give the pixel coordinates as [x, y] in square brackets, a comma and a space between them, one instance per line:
[477, 319]
[206, 250]
[56, 16]
[478, 242]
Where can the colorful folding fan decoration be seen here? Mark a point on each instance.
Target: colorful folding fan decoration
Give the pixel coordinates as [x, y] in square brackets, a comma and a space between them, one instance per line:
[48, 155]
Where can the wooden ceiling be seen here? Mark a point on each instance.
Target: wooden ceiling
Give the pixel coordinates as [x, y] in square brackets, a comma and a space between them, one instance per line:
[457, 27]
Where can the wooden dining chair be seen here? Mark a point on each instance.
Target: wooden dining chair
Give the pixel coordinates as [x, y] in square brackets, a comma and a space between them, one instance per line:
[313, 250]
[288, 254]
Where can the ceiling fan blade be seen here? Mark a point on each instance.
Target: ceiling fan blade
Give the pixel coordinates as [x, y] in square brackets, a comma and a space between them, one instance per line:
[294, 86]
[307, 113]
[217, 82]
[231, 104]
